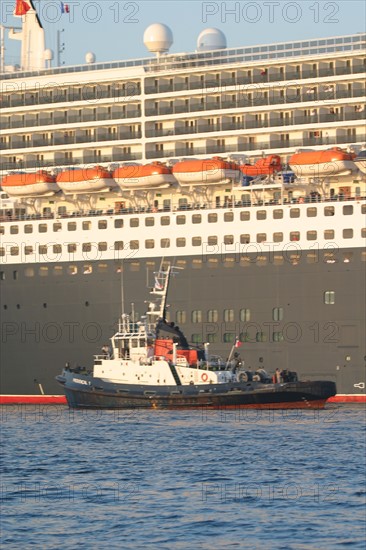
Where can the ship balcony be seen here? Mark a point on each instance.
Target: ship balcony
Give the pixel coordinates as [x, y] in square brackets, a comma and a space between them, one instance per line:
[249, 123]
[255, 76]
[259, 100]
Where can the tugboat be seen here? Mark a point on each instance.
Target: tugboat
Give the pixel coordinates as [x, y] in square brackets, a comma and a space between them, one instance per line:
[151, 365]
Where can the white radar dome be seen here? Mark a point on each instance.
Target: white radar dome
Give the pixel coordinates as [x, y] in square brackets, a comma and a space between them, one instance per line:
[90, 57]
[158, 38]
[48, 55]
[211, 39]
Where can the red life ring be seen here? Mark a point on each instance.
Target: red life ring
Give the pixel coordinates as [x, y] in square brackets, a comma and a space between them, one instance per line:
[204, 377]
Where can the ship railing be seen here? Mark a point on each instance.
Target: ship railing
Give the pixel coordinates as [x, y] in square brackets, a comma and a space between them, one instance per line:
[9, 216]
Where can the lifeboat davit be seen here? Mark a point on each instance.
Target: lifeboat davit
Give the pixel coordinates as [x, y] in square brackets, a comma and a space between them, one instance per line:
[265, 166]
[332, 162]
[148, 176]
[33, 184]
[360, 161]
[213, 171]
[90, 179]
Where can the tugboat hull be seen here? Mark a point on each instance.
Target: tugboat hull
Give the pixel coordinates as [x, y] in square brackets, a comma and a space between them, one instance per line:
[89, 392]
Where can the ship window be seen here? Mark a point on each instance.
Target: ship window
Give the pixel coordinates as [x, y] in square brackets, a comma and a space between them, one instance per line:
[117, 224]
[212, 316]
[43, 271]
[181, 317]
[212, 338]
[29, 272]
[2, 276]
[363, 232]
[118, 245]
[229, 262]
[277, 237]
[363, 255]
[329, 211]
[57, 270]
[134, 245]
[165, 243]
[329, 297]
[244, 315]
[277, 214]
[244, 239]
[42, 249]
[196, 241]
[57, 226]
[42, 228]
[165, 220]
[102, 268]
[311, 235]
[135, 266]
[329, 234]
[245, 337]
[363, 208]
[312, 257]
[149, 243]
[197, 263]
[14, 251]
[181, 220]
[261, 237]
[213, 263]
[196, 316]
[311, 212]
[15, 275]
[197, 338]
[278, 259]
[86, 247]
[196, 218]
[277, 336]
[294, 236]
[261, 337]
[347, 233]
[134, 222]
[347, 257]
[261, 215]
[229, 337]
[102, 224]
[71, 247]
[244, 216]
[261, 260]
[181, 241]
[28, 229]
[228, 239]
[212, 218]
[14, 230]
[228, 315]
[102, 246]
[348, 209]
[277, 313]
[2, 230]
[212, 240]
[149, 222]
[294, 212]
[71, 226]
[28, 250]
[229, 216]
[57, 249]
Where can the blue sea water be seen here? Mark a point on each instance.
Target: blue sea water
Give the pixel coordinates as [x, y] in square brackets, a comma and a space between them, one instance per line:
[175, 480]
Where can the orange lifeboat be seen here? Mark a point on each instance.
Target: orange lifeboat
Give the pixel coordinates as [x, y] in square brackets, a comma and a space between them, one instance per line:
[213, 171]
[90, 179]
[33, 184]
[331, 162]
[148, 176]
[263, 167]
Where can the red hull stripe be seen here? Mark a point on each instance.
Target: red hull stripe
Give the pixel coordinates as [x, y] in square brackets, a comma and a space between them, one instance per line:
[33, 399]
[61, 399]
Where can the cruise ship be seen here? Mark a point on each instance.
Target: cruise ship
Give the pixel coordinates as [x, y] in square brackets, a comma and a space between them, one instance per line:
[245, 167]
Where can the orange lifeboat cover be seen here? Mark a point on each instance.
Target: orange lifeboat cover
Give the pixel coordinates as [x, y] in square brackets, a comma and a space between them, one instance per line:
[204, 165]
[263, 166]
[25, 178]
[84, 174]
[320, 157]
[131, 171]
